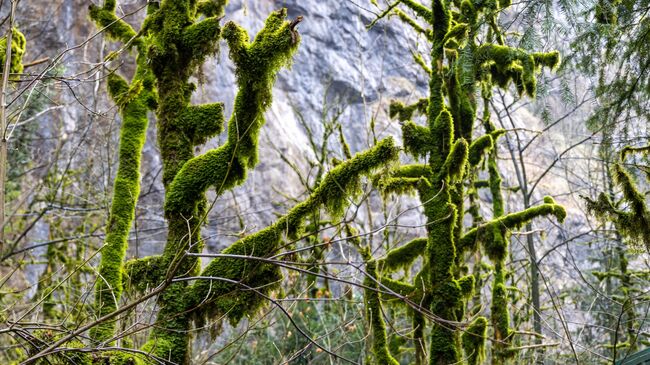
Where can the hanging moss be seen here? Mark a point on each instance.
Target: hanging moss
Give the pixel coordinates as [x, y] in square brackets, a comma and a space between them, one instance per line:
[417, 139]
[633, 221]
[18, 44]
[400, 288]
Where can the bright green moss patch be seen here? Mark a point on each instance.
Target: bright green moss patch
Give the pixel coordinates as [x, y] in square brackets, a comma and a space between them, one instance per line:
[18, 44]
[403, 256]
[478, 148]
[485, 233]
[466, 284]
[405, 113]
[417, 139]
[132, 101]
[106, 19]
[144, 273]
[474, 341]
[201, 122]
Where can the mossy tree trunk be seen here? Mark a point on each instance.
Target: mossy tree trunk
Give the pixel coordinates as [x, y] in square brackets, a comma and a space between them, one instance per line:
[458, 66]
[176, 37]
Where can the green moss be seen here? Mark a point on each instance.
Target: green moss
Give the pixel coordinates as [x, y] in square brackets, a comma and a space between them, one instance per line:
[633, 221]
[376, 317]
[417, 139]
[406, 112]
[215, 297]
[514, 64]
[500, 315]
[120, 358]
[466, 284]
[399, 287]
[486, 232]
[419, 9]
[132, 101]
[403, 256]
[400, 185]
[546, 59]
[105, 18]
[201, 122]
[144, 273]
[458, 33]
[211, 8]
[456, 162]
[474, 341]
[442, 133]
[18, 47]
[478, 148]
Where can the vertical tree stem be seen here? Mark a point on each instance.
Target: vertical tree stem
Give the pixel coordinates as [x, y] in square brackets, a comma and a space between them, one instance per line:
[3, 123]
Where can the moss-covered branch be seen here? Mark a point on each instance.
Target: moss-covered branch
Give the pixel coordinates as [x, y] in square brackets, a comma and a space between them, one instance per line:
[134, 101]
[420, 10]
[376, 317]
[632, 220]
[403, 256]
[404, 113]
[478, 148]
[211, 297]
[484, 233]
[474, 341]
[115, 27]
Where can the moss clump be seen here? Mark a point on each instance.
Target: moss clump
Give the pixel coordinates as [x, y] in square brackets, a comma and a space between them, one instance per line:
[474, 341]
[18, 44]
[144, 273]
[403, 256]
[478, 148]
[406, 112]
[485, 233]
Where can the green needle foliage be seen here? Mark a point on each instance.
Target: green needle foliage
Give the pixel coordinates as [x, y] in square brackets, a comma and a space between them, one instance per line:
[458, 67]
